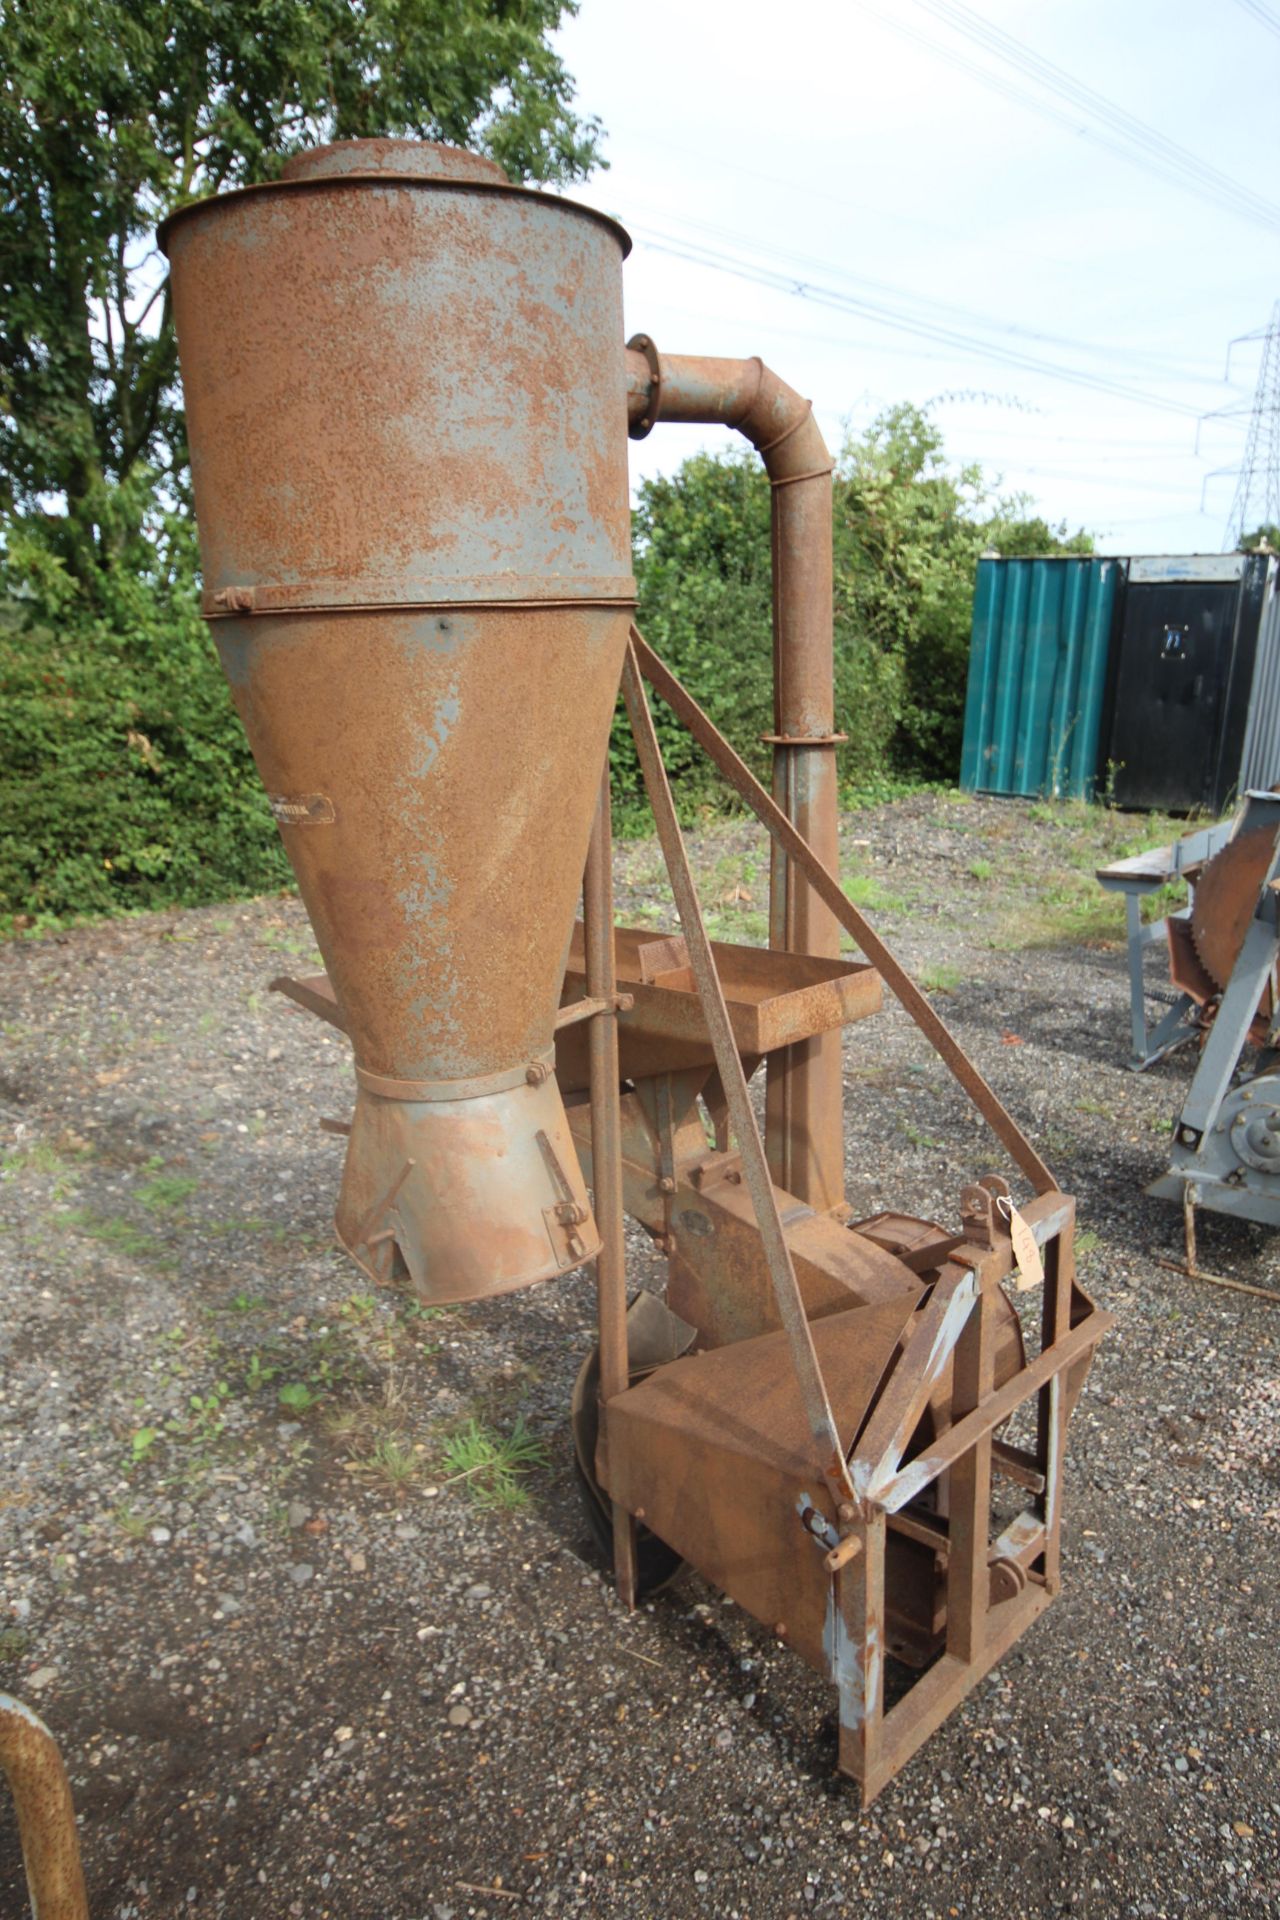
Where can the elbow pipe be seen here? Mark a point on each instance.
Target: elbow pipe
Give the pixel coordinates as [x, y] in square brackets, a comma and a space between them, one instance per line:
[804, 1104]
[30, 1760]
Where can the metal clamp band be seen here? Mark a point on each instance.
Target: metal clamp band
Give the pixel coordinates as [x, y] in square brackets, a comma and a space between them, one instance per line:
[804, 739]
[471, 1089]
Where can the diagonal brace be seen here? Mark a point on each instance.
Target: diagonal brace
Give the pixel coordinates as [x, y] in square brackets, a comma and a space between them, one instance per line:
[828, 888]
[755, 1168]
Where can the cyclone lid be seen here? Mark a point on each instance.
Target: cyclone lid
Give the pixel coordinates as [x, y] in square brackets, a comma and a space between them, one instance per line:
[363, 163]
[406, 159]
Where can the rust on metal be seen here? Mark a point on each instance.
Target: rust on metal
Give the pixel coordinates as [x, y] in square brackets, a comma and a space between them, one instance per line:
[408, 401]
[804, 1125]
[421, 571]
[32, 1765]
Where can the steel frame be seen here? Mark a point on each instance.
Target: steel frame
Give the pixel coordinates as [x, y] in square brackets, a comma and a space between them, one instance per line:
[994, 1589]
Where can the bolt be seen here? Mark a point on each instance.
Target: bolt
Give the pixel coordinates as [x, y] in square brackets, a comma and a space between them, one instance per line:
[666, 1184]
[781, 1629]
[536, 1073]
[639, 1513]
[846, 1512]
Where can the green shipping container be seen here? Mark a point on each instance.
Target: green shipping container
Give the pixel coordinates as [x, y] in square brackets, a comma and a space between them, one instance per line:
[1038, 675]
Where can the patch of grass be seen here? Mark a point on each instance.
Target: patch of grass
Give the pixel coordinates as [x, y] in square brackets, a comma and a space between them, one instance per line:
[301, 944]
[981, 869]
[1072, 912]
[939, 978]
[130, 1521]
[866, 891]
[491, 1465]
[920, 1139]
[119, 1234]
[1094, 1106]
[1086, 1243]
[166, 1191]
[14, 1643]
[393, 1459]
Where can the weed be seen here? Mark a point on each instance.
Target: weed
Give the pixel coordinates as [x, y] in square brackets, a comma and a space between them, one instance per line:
[919, 1139]
[391, 1459]
[298, 1397]
[130, 1521]
[492, 1466]
[166, 1191]
[141, 1441]
[939, 978]
[1094, 1106]
[1086, 1243]
[258, 1373]
[245, 1303]
[981, 869]
[14, 1643]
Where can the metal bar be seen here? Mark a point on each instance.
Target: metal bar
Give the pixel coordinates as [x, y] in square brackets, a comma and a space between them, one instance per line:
[46, 1813]
[606, 1156]
[1137, 993]
[939, 1691]
[912, 1479]
[1227, 1035]
[857, 1653]
[969, 1492]
[580, 1010]
[1218, 1279]
[931, 1338]
[823, 882]
[754, 1166]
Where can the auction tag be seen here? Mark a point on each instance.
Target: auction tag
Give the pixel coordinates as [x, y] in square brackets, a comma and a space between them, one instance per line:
[1025, 1250]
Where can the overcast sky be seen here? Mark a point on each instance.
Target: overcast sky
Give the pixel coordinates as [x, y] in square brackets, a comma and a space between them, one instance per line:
[876, 154]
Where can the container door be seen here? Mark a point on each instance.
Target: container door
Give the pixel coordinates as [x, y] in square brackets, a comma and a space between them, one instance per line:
[1175, 667]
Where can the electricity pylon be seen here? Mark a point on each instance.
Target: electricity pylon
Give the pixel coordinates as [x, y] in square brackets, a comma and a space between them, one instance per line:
[1257, 497]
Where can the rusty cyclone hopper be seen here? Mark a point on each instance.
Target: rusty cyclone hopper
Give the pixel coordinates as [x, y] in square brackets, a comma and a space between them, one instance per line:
[409, 403]
[406, 399]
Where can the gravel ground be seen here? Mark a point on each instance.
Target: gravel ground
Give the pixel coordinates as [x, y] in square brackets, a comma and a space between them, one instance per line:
[299, 1667]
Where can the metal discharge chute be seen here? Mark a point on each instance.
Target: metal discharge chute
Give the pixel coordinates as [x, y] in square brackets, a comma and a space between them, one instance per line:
[408, 403]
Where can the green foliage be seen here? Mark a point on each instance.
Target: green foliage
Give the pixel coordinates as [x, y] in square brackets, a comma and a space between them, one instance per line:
[493, 1465]
[113, 114]
[908, 533]
[126, 781]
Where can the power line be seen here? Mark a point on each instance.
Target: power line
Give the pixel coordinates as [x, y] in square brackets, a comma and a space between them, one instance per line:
[882, 314]
[1147, 139]
[748, 243]
[1132, 139]
[1262, 14]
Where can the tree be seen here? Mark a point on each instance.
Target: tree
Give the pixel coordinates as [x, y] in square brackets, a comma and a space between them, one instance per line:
[909, 533]
[114, 113]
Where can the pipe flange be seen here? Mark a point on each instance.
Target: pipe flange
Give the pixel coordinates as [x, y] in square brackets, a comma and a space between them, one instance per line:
[804, 739]
[641, 343]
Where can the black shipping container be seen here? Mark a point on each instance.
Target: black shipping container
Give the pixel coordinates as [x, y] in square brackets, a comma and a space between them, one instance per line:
[1193, 698]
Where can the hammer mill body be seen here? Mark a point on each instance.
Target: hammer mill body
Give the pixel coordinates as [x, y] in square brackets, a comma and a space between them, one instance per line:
[408, 401]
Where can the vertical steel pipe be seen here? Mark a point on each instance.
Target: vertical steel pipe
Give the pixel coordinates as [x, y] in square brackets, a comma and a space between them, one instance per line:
[606, 1157]
[37, 1779]
[804, 1123]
